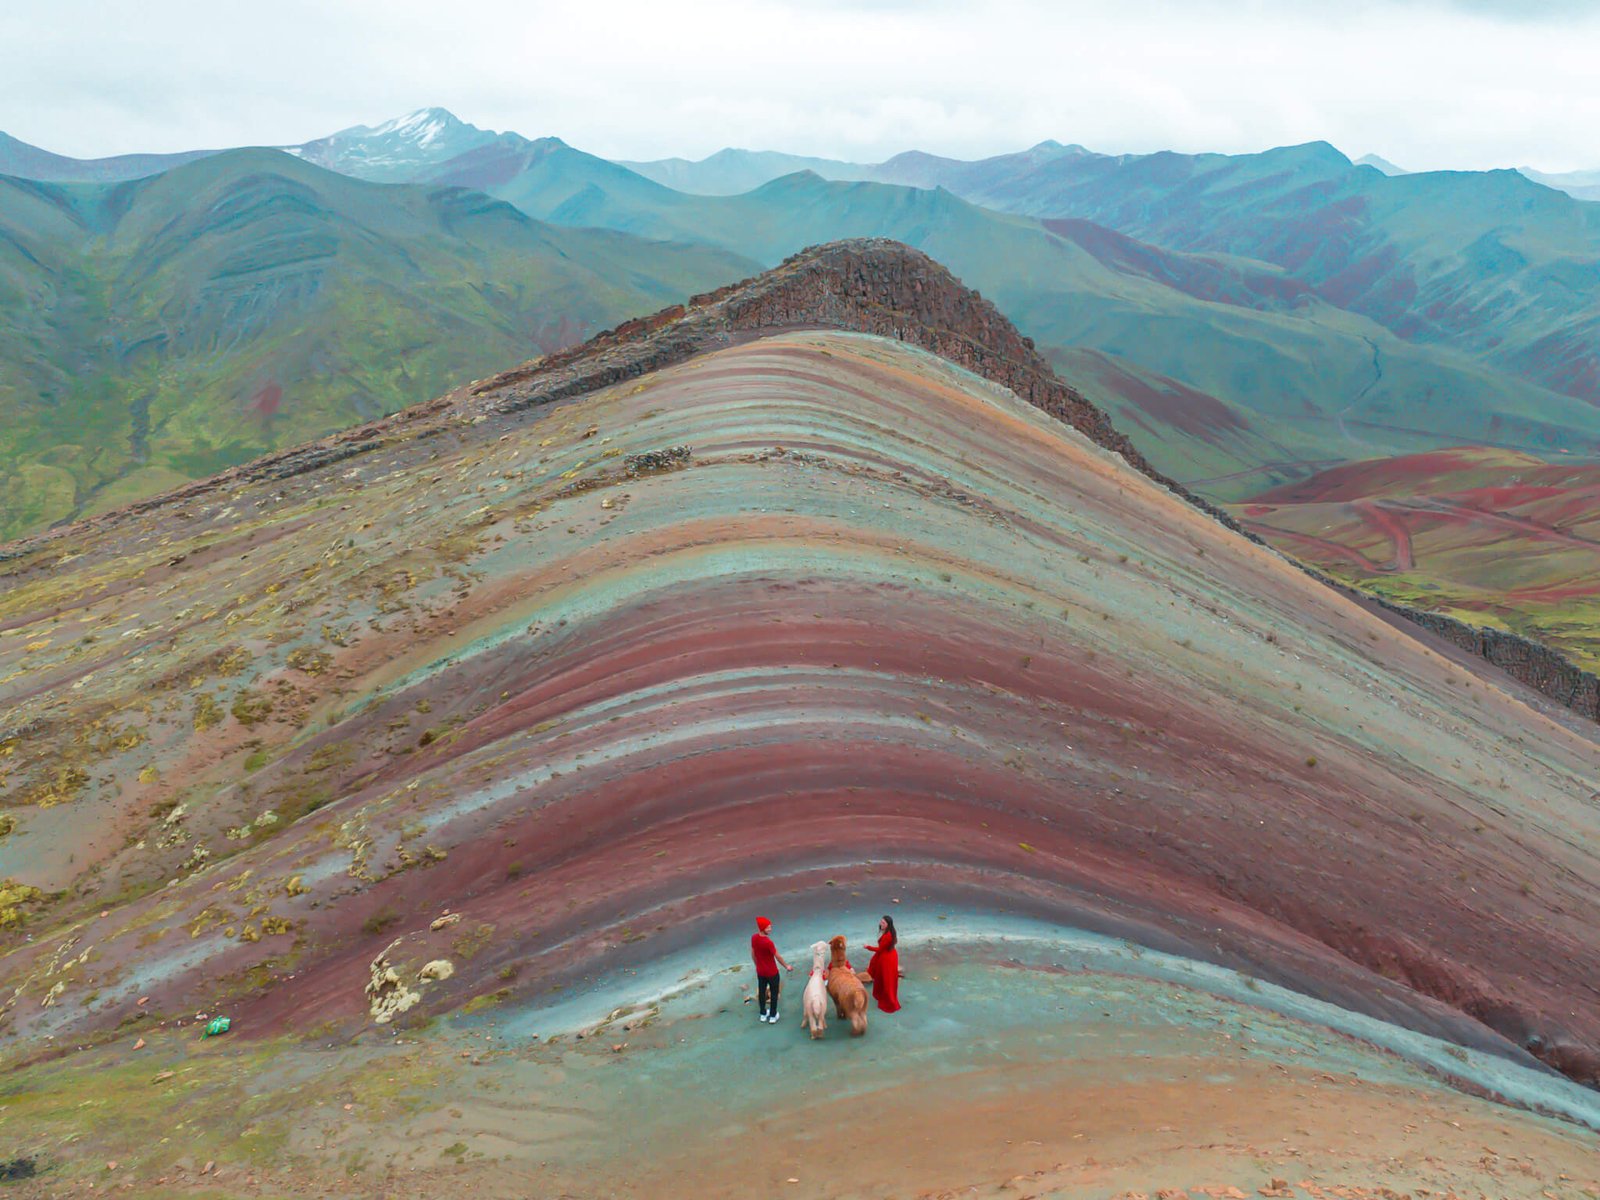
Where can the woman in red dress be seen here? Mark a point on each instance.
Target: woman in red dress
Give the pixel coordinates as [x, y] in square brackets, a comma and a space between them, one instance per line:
[885, 967]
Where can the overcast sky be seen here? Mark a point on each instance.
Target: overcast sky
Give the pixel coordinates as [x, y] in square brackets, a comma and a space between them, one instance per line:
[1425, 83]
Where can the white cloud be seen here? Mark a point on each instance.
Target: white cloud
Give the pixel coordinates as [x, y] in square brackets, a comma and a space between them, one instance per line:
[1426, 83]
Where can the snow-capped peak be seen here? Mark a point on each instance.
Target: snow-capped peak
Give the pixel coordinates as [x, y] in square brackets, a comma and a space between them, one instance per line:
[422, 126]
[396, 149]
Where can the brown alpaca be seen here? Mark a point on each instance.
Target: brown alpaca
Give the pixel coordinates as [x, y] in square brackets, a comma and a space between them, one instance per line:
[849, 997]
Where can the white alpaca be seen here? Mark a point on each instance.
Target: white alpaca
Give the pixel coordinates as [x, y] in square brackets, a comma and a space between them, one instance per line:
[814, 1004]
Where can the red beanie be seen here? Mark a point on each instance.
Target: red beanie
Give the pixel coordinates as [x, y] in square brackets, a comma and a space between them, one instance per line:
[763, 923]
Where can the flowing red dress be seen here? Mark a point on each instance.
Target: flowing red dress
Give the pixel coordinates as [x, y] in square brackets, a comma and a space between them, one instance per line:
[885, 971]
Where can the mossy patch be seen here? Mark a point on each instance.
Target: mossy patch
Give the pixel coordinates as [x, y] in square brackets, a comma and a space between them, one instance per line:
[381, 920]
[60, 786]
[16, 899]
[207, 712]
[234, 661]
[333, 754]
[487, 1000]
[250, 709]
[470, 942]
[298, 798]
[312, 662]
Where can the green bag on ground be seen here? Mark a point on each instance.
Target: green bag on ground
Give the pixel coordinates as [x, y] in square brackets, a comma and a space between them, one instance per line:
[217, 1025]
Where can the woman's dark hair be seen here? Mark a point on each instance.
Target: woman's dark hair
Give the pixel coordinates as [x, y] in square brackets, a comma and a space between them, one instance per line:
[894, 938]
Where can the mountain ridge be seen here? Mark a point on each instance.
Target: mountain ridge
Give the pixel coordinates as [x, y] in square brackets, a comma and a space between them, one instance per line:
[1304, 369]
[1492, 262]
[25, 161]
[1580, 185]
[873, 286]
[424, 628]
[390, 151]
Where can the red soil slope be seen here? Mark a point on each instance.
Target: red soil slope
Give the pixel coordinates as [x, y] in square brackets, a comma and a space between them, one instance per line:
[882, 625]
[1491, 536]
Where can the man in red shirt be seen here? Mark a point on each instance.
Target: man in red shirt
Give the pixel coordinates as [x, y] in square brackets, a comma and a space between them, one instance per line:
[764, 953]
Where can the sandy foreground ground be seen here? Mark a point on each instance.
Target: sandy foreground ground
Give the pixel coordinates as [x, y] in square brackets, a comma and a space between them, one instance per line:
[995, 1079]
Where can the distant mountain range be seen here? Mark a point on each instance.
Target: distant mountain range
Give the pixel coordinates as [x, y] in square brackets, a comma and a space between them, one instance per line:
[730, 171]
[1380, 163]
[1325, 314]
[160, 330]
[1585, 185]
[1248, 319]
[391, 152]
[1489, 262]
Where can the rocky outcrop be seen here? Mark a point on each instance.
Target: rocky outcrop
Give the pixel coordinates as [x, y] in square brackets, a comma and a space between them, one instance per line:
[871, 286]
[1540, 667]
[387, 993]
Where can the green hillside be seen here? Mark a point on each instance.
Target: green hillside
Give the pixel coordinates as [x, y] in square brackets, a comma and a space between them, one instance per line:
[163, 329]
[1488, 262]
[1308, 383]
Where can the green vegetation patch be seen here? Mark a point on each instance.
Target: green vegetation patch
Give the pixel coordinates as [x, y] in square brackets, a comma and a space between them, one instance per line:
[16, 899]
[250, 708]
[207, 712]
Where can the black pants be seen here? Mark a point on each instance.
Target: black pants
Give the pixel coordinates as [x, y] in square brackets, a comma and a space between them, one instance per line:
[767, 994]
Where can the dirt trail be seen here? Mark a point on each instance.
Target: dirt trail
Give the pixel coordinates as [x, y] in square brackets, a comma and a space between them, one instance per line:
[1448, 511]
[1376, 513]
[1377, 378]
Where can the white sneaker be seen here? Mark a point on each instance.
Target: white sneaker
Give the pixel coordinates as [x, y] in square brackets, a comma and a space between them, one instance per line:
[773, 1018]
[763, 1018]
